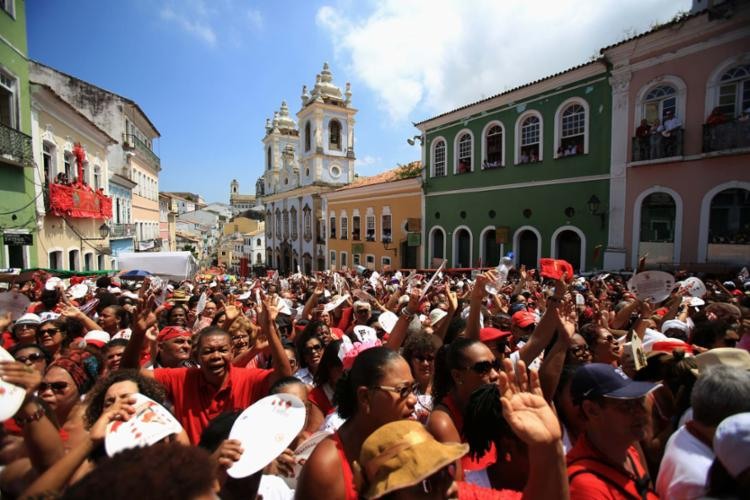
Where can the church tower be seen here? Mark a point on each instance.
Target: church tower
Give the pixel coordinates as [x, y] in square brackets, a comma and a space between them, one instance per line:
[281, 171]
[234, 188]
[326, 130]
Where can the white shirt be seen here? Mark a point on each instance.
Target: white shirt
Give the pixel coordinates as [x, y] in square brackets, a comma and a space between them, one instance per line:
[672, 124]
[684, 469]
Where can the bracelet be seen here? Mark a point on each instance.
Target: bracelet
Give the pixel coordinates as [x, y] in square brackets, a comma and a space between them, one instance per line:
[406, 313]
[34, 417]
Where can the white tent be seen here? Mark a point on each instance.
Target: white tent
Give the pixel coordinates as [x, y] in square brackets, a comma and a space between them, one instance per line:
[175, 266]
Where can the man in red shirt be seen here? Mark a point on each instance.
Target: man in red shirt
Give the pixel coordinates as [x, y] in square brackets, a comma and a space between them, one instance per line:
[200, 394]
[604, 464]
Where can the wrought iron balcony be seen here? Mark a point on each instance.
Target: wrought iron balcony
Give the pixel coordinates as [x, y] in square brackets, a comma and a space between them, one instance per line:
[724, 136]
[134, 142]
[15, 146]
[657, 146]
[122, 230]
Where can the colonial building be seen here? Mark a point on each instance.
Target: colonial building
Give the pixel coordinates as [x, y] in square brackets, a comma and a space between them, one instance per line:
[73, 209]
[122, 233]
[680, 189]
[18, 174]
[526, 171]
[300, 163]
[167, 223]
[376, 221]
[133, 158]
[238, 201]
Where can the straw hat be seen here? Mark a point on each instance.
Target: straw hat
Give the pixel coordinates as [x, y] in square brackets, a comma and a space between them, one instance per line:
[401, 454]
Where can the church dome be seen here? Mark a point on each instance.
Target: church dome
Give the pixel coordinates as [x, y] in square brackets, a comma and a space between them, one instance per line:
[325, 90]
[284, 122]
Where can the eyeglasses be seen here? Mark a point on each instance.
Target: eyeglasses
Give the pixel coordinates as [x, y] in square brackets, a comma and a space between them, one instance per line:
[26, 326]
[403, 392]
[485, 367]
[424, 357]
[49, 331]
[57, 387]
[313, 348]
[32, 358]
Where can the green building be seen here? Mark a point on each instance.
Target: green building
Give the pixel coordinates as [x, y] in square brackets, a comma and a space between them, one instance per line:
[17, 169]
[524, 171]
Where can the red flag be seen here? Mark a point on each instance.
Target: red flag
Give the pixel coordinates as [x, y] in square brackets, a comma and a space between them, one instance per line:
[554, 268]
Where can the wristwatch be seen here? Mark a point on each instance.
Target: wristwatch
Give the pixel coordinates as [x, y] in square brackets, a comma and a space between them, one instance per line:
[406, 313]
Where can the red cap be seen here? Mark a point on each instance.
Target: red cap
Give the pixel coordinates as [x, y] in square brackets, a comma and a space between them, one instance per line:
[74, 280]
[488, 334]
[171, 332]
[522, 319]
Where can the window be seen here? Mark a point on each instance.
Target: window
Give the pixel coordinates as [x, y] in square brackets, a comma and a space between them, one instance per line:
[658, 102]
[278, 224]
[8, 100]
[307, 223]
[86, 172]
[333, 258]
[88, 262]
[463, 159]
[294, 224]
[269, 225]
[573, 131]
[9, 7]
[356, 259]
[385, 261]
[369, 260]
[370, 221]
[48, 160]
[100, 263]
[344, 228]
[438, 158]
[333, 227]
[734, 90]
[493, 141]
[307, 136]
[530, 140]
[385, 223]
[68, 162]
[355, 228]
[268, 158]
[55, 259]
[344, 260]
[334, 135]
[73, 260]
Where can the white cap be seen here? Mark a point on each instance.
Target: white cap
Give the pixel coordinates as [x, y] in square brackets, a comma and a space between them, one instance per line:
[29, 319]
[674, 324]
[436, 315]
[732, 442]
[96, 337]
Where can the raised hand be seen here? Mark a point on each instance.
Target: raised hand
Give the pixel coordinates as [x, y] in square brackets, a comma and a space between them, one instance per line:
[122, 409]
[17, 373]
[228, 452]
[524, 406]
[144, 318]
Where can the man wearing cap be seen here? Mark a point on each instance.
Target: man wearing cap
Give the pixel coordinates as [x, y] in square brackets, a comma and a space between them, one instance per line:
[720, 392]
[604, 462]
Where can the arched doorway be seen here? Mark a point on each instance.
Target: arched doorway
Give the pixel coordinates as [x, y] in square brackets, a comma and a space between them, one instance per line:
[528, 249]
[729, 227]
[568, 246]
[657, 231]
[436, 246]
[490, 249]
[462, 247]
[307, 263]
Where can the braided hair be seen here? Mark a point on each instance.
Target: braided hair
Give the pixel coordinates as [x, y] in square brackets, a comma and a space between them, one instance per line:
[449, 357]
[484, 422]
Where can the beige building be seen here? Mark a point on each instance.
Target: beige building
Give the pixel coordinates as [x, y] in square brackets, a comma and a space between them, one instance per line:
[167, 225]
[242, 225]
[73, 213]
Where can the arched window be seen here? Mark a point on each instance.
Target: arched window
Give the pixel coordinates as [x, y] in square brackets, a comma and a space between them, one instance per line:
[463, 156]
[285, 224]
[658, 102]
[307, 136]
[268, 158]
[734, 90]
[278, 224]
[438, 158]
[334, 135]
[294, 223]
[493, 147]
[572, 131]
[531, 140]
[97, 181]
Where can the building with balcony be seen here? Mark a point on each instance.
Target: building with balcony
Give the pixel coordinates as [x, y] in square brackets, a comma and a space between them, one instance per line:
[122, 235]
[376, 222]
[186, 202]
[301, 163]
[518, 172]
[167, 223]
[680, 184]
[74, 211]
[18, 174]
[133, 158]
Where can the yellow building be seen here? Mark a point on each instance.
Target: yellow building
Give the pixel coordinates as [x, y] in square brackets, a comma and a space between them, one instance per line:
[72, 227]
[242, 225]
[376, 221]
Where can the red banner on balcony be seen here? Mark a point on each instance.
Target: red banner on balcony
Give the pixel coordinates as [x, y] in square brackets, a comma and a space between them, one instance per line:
[79, 201]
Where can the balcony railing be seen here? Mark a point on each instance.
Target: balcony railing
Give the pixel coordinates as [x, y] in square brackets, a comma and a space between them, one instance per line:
[15, 146]
[657, 146]
[78, 201]
[143, 148]
[723, 136]
[122, 230]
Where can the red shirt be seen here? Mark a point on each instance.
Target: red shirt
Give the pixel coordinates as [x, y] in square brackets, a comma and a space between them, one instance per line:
[319, 398]
[468, 491]
[196, 402]
[606, 481]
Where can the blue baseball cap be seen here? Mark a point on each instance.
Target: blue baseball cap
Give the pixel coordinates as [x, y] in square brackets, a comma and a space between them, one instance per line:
[596, 380]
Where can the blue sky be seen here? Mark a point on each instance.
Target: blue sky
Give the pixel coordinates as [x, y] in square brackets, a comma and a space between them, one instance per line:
[209, 72]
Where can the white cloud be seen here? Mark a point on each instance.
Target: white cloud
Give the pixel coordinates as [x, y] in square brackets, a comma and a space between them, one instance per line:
[255, 18]
[430, 56]
[202, 31]
[368, 160]
[207, 20]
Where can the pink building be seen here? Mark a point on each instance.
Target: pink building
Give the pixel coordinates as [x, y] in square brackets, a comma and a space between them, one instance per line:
[680, 174]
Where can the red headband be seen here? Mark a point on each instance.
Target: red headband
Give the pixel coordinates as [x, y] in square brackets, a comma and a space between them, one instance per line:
[172, 332]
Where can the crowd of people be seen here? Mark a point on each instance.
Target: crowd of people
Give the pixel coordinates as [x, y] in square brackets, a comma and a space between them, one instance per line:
[495, 385]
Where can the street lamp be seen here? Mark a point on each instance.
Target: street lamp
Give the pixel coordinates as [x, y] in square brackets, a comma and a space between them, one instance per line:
[411, 140]
[594, 207]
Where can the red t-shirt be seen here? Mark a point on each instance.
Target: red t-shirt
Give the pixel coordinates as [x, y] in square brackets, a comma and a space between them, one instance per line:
[319, 398]
[196, 402]
[468, 491]
[607, 482]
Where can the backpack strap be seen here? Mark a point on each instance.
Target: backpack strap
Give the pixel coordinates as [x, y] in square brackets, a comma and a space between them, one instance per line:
[622, 482]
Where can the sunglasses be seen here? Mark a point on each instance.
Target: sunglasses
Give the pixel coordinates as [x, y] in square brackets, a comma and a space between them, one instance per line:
[422, 358]
[48, 331]
[485, 367]
[26, 326]
[403, 392]
[313, 348]
[33, 357]
[55, 386]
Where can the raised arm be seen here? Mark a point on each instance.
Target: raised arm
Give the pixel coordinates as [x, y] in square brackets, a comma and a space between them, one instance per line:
[398, 334]
[475, 304]
[544, 331]
[143, 319]
[280, 362]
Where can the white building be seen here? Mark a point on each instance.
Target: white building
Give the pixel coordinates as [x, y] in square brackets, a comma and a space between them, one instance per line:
[299, 164]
